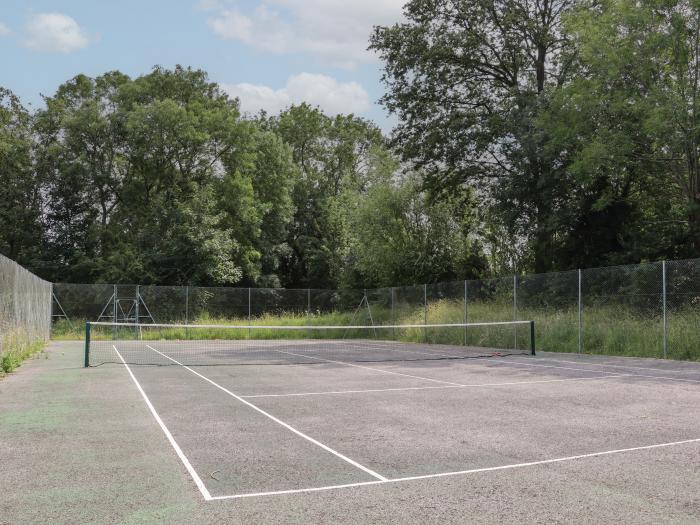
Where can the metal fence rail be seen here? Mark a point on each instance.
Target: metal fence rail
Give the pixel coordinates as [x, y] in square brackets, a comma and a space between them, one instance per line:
[649, 310]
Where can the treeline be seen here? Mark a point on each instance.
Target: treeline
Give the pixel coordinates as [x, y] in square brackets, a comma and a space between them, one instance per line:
[531, 137]
[579, 119]
[159, 179]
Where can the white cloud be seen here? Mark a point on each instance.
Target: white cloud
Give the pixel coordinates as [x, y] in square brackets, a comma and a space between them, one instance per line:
[331, 96]
[54, 32]
[336, 30]
[4, 30]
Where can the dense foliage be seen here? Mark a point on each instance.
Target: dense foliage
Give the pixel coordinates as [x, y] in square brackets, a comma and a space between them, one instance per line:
[578, 118]
[159, 179]
[531, 136]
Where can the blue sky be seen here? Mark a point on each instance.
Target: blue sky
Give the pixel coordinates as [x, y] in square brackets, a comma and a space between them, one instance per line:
[269, 53]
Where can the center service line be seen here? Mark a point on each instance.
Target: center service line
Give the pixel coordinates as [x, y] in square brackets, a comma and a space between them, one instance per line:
[276, 420]
[190, 469]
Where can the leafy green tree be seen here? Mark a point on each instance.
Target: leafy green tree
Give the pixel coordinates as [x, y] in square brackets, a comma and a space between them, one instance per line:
[398, 236]
[641, 72]
[158, 179]
[333, 155]
[467, 81]
[256, 197]
[20, 189]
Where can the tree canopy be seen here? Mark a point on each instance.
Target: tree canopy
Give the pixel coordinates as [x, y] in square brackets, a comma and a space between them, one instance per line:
[530, 137]
[159, 179]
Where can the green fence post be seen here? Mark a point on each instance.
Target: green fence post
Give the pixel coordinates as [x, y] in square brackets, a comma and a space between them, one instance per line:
[87, 344]
[532, 337]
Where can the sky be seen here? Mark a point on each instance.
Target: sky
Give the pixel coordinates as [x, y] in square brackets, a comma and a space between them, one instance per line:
[269, 53]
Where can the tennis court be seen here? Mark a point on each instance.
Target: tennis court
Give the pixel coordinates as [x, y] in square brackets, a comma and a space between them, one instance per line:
[361, 429]
[324, 413]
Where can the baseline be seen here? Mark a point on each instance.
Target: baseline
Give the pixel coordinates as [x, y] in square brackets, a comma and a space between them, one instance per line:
[463, 472]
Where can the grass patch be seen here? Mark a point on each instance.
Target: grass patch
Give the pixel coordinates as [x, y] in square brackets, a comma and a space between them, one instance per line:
[16, 348]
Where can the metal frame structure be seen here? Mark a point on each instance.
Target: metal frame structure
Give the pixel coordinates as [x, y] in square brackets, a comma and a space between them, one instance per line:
[126, 309]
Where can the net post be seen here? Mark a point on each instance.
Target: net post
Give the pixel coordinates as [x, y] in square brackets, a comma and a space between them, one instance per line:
[87, 344]
[663, 302]
[532, 338]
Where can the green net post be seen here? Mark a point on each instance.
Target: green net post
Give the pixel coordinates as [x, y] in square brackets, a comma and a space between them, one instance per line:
[532, 337]
[87, 344]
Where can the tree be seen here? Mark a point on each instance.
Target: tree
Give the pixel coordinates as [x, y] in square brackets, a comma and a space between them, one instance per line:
[146, 175]
[400, 237]
[256, 197]
[333, 155]
[467, 81]
[20, 189]
[642, 66]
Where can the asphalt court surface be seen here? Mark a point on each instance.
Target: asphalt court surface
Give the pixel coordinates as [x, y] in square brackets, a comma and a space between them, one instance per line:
[258, 430]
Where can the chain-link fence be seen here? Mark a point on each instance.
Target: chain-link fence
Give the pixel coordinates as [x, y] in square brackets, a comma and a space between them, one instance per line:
[649, 310]
[25, 313]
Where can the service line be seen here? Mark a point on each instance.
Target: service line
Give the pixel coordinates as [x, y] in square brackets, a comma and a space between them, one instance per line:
[409, 388]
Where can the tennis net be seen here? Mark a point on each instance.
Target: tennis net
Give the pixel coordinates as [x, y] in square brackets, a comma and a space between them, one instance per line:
[193, 345]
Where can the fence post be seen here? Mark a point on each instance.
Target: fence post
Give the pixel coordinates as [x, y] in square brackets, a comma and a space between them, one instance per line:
[138, 303]
[465, 313]
[308, 310]
[580, 314]
[515, 311]
[425, 312]
[663, 302]
[250, 332]
[187, 304]
[393, 315]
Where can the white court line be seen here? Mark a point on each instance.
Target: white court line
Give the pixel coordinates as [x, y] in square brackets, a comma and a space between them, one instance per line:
[583, 363]
[461, 472]
[523, 363]
[276, 420]
[402, 389]
[370, 368]
[195, 477]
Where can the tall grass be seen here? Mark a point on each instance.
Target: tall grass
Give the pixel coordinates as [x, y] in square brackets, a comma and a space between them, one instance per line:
[15, 347]
[609, 330]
